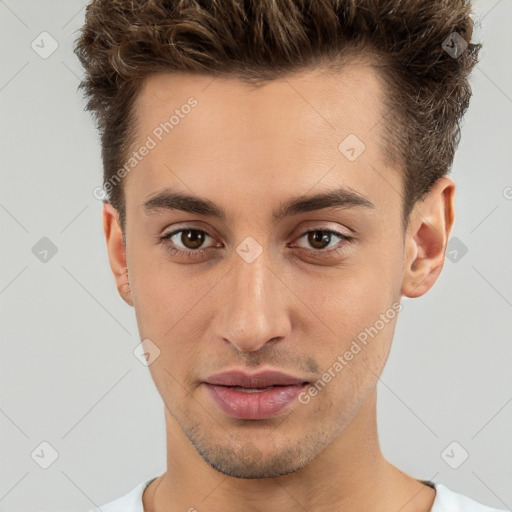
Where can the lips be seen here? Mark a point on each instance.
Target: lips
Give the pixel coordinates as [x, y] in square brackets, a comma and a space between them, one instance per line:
[257, 380]
[254, 396]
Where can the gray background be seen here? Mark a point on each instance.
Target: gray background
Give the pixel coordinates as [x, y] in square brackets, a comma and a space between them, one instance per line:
[68, 374]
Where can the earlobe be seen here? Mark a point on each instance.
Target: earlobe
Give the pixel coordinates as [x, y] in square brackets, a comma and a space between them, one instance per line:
[116, 251]
[426, 239]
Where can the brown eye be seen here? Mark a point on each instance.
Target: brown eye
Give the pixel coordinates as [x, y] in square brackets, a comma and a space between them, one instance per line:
[187, 242]
[192, 238]
[324, 242]
[319, 239]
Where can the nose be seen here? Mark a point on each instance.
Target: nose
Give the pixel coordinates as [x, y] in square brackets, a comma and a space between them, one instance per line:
[255, 305]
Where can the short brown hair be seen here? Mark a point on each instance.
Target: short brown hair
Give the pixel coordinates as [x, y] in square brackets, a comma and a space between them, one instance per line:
[123, 41]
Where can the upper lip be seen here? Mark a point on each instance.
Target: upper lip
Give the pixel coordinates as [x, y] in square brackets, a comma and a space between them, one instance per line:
[261, 379]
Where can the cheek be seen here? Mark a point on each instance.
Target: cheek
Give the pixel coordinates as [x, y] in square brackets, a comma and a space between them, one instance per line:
[349, 317]
[352, 359]
[342, 302]
[168, 306]
[164, 293]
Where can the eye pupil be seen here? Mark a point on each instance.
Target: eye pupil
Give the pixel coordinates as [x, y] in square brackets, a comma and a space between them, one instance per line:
[192, 236]
[320, 237]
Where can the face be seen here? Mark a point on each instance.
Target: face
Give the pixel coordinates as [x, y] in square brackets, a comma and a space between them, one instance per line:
[287, 256]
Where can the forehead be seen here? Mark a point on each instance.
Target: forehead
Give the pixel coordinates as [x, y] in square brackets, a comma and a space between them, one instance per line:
[220, 137]
[315, 101]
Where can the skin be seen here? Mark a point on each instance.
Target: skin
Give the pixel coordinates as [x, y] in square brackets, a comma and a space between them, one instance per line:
[248, 150]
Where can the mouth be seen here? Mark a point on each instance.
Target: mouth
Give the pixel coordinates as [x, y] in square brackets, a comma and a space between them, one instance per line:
[252, 390]
[254, 396]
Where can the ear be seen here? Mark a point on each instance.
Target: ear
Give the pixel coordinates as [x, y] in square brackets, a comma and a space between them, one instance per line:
[116, 251]
[426, 239]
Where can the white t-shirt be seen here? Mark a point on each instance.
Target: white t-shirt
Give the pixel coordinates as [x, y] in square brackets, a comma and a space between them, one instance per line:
[446, 500]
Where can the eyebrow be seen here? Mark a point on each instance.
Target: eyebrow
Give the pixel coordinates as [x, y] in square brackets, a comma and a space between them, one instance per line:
[169, 199]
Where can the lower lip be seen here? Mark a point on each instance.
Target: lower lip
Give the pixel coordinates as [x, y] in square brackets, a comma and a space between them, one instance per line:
[257, 405]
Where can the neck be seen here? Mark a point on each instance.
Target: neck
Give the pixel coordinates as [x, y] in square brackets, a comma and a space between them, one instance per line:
[350, 474]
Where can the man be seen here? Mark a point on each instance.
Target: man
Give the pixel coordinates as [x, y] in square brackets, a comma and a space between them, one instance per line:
[276, 181]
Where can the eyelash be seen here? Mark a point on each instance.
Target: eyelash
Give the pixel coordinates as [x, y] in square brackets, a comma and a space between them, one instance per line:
[199, 252]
